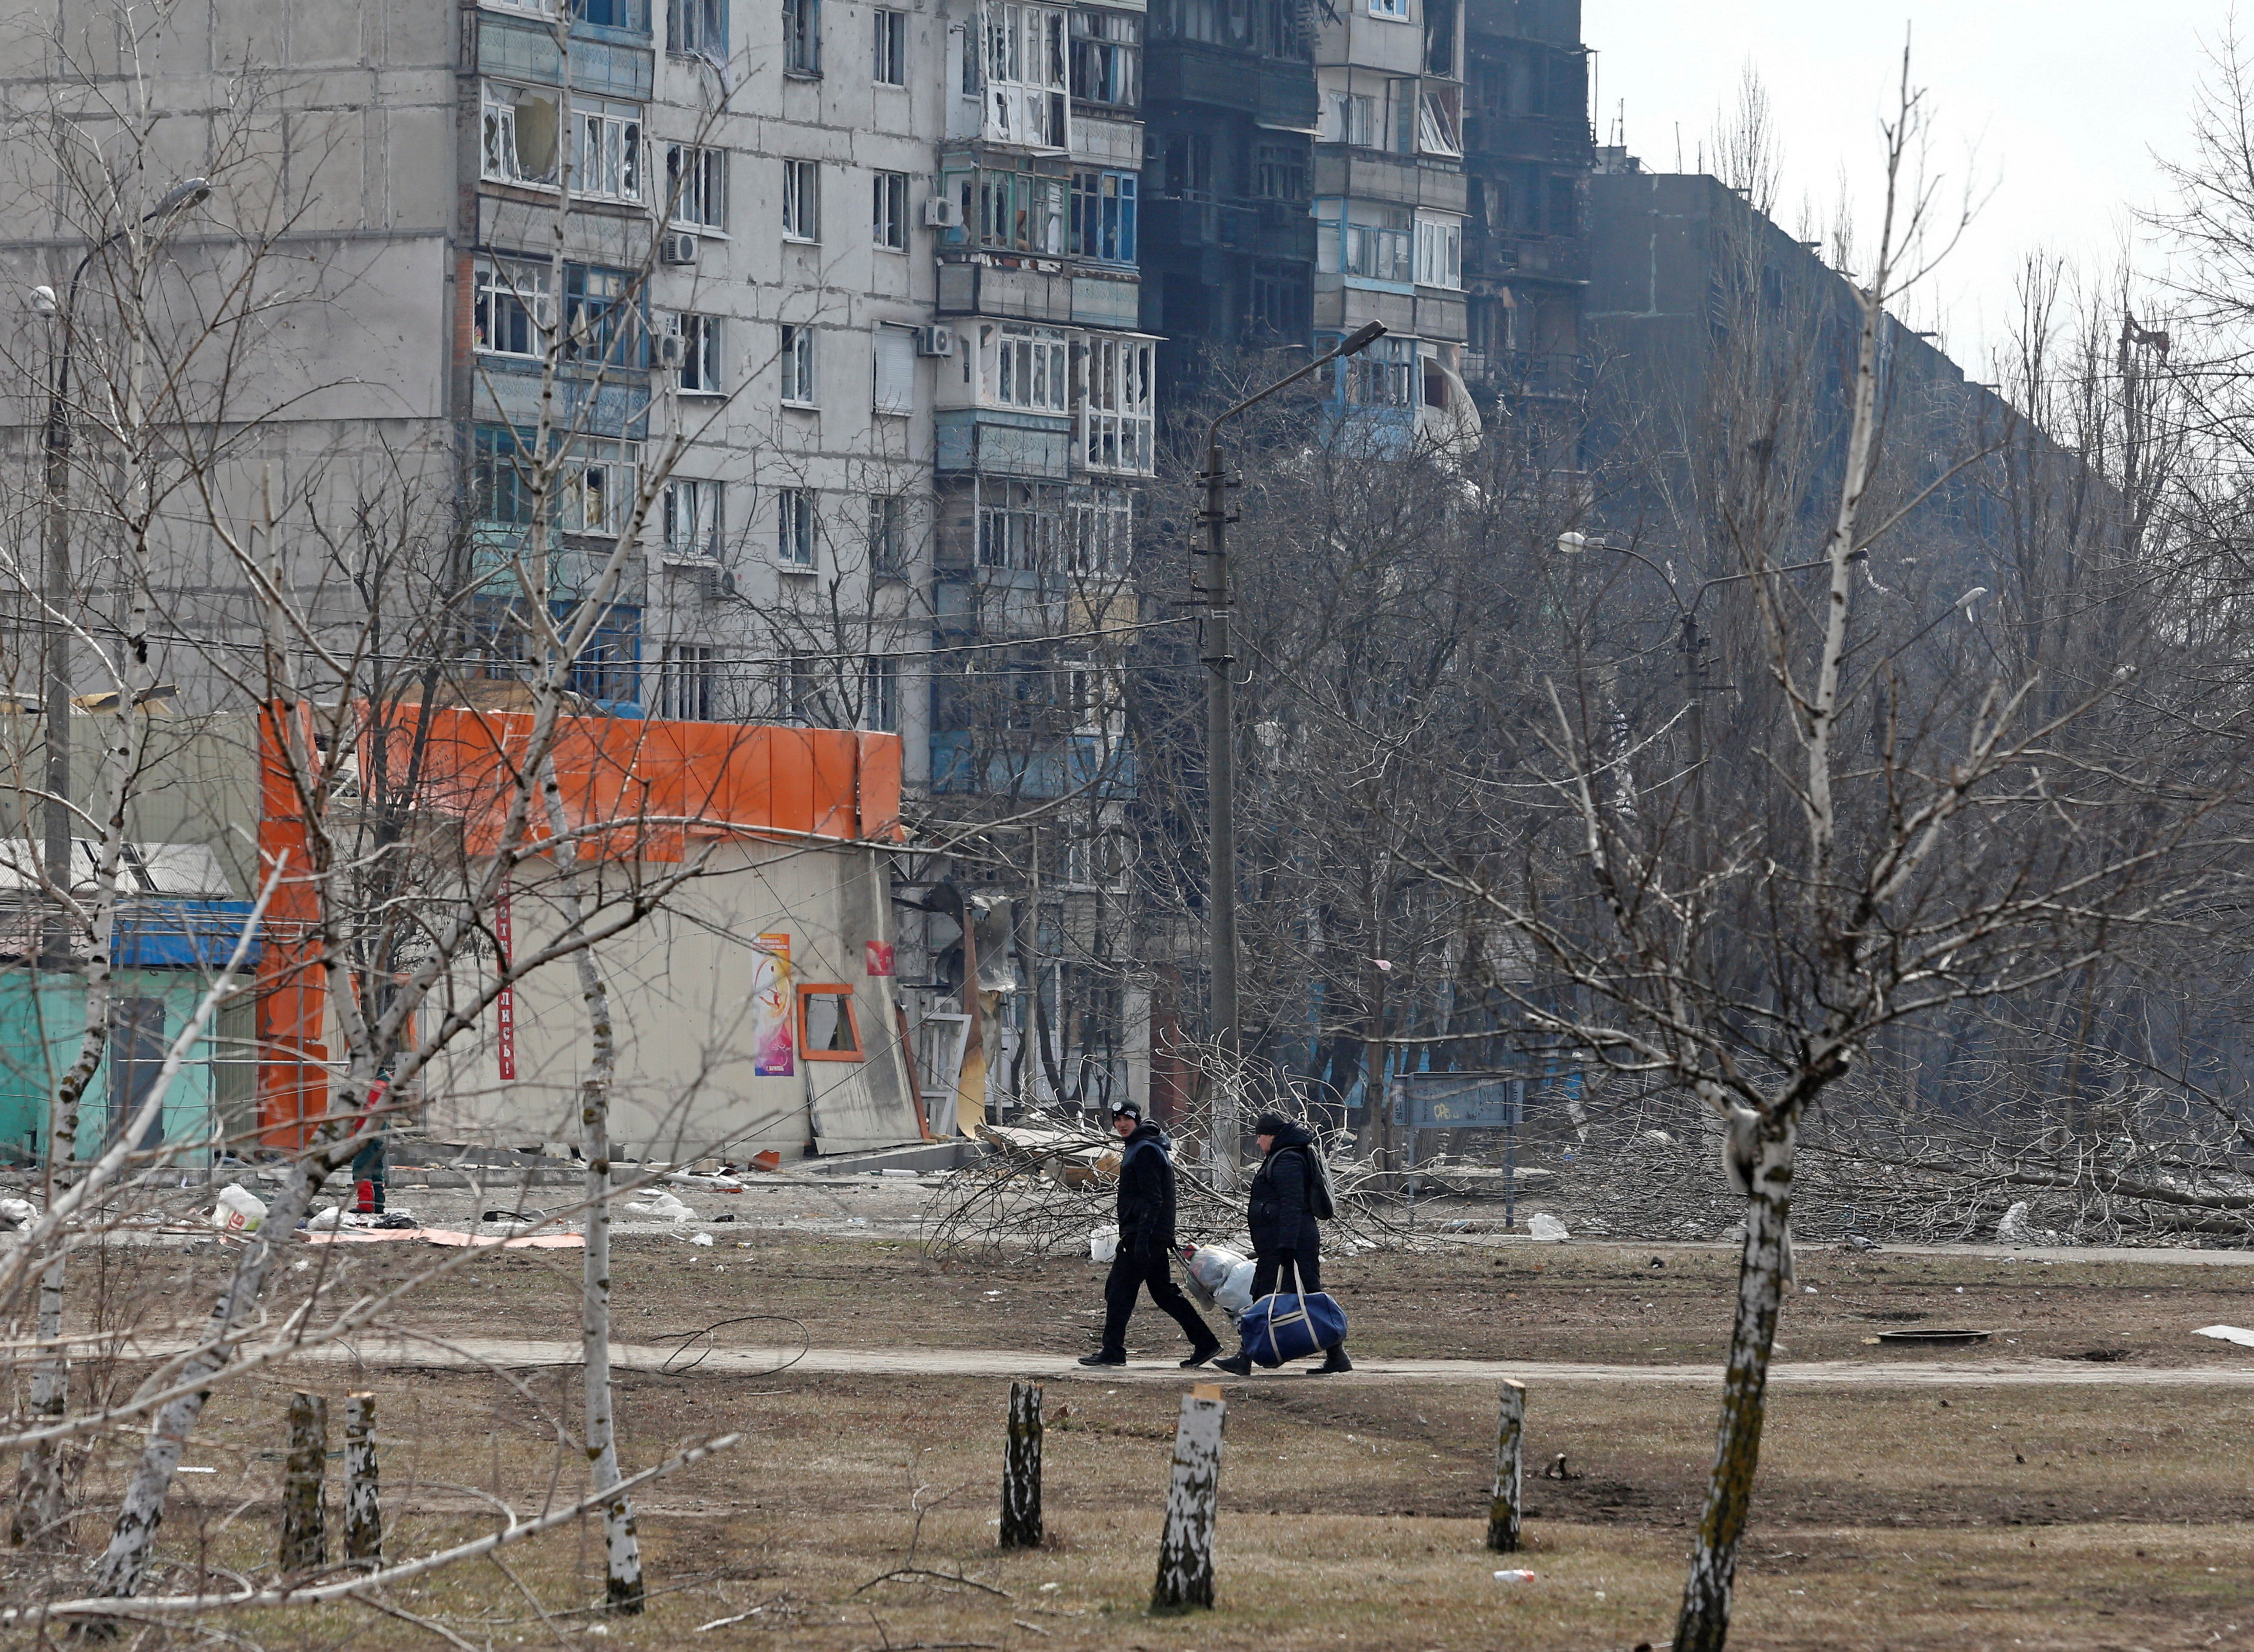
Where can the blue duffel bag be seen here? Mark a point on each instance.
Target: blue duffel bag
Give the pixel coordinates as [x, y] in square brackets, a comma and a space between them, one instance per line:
[1290, 1325]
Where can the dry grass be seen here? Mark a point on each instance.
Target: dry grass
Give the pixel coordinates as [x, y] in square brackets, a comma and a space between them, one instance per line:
[1351, 1513]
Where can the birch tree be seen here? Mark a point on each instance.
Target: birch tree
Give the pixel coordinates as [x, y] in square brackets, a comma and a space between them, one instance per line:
[1904, 819]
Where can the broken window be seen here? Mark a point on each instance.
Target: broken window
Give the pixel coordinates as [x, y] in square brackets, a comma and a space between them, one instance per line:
[519, 135]
[1107, 49]
[827, 1031]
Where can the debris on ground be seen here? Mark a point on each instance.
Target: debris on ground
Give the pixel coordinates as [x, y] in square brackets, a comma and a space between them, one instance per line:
[1546, 1230]
[2228, 1334]
[237, 1211]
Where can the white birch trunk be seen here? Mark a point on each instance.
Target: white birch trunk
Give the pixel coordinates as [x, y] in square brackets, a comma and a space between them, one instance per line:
[1505, 1507]
[622, 1583]
[1705, 1623]
[1021, 1469]
[133, 1536]
[363, 1498]
[42, 1516]
[304, 1528]
[1193, 1500]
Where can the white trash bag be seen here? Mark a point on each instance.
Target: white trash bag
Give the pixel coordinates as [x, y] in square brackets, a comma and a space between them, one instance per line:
[1210, 1265]
[1546, 1230]
[1103, 1244]
[237, 1211]
[1233, 1295]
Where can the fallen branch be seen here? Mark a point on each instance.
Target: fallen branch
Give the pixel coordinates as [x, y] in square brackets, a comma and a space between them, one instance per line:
[940, 1577]
[122, 1606]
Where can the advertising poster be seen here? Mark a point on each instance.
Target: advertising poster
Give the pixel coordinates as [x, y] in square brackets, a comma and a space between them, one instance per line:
[878, 958]
[505, 1003]
[774, 1043]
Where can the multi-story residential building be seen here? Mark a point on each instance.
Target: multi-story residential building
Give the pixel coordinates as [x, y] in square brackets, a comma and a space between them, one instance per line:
[1527, 152]
[1045, 424]
[1388, 207]
[862, 278]
[1229, 243]
[1308, 177]
[752, 207]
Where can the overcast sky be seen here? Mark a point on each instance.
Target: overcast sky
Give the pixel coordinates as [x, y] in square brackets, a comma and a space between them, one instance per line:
[2055, 108]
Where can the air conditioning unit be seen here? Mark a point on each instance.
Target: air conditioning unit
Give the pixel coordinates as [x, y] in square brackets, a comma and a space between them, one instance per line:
[942, 212]
[677, 249]
[669, 351]
[719, 584]
[934, 341]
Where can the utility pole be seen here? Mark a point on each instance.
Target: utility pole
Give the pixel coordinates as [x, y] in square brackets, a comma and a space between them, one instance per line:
[55, 581]
[1217, 653]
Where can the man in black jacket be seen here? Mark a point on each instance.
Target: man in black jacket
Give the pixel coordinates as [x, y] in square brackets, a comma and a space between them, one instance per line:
[1280, 1211]
[1146, 1241]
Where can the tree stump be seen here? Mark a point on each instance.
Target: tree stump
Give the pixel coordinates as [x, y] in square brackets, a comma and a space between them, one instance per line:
[1021, 1469]
[363, 1507]
[1186, 1550]
[1503, 1512]
[304, 1537]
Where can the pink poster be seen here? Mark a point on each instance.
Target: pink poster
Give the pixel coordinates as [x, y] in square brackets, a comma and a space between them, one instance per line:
[878, 958]
[774, 1042]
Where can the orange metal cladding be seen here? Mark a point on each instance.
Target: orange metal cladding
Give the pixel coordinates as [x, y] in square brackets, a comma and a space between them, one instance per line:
[292, 1082]
[634, 788]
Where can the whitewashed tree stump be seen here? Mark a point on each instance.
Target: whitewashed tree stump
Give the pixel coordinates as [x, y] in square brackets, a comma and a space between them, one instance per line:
[1021, 1469]
[305, 1536]
[363, 1508]
[1503, 1512]
[1186, 1550]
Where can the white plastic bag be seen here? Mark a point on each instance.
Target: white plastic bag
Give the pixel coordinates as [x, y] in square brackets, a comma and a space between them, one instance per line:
[237, 1211]
[1233, 1295]
[1546, 1230]
[1103, 1244]
[1210, 1265]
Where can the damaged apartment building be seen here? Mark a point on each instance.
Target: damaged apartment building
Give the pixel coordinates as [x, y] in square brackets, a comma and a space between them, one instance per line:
[866, 275]
[1314, 166]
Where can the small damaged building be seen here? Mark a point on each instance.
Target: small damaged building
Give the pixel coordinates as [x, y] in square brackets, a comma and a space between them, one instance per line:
[752, 993]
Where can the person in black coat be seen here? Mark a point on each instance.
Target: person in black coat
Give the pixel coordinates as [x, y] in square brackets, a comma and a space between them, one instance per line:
[1146, 1241]
[1280, 1212]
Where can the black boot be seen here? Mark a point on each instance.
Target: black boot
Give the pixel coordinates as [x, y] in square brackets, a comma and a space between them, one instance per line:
[1235, 1364]
[1104, 1356]
[1199, 1356]
[1337, 1362]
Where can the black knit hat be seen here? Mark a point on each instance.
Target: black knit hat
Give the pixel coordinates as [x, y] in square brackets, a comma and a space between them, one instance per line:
[1128, 1109]
[1270, 1124]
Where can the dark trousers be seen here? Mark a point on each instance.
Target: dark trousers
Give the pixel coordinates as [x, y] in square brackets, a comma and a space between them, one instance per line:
[1134, 1270]
[1269, 1274]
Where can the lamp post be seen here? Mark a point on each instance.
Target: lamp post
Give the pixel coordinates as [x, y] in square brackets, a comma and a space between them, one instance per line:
[1221, 760]
[55, 937]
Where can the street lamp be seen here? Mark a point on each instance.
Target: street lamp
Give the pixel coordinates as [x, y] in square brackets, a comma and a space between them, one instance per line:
[1220, 758]
[55, 938]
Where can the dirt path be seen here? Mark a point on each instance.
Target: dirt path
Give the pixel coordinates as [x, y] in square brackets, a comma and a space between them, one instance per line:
[1914, 1371]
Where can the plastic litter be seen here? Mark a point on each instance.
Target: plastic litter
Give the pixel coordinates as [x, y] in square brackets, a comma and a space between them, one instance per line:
[1546, 1230]
[1103, 1244]
[17, 1212]
[665, 1207]
[2228, 1334]
[704, 1239]
[330, 1219]
[237, 1211]
[1236, 1292]
[1514, 1575]
[1210, 1265]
